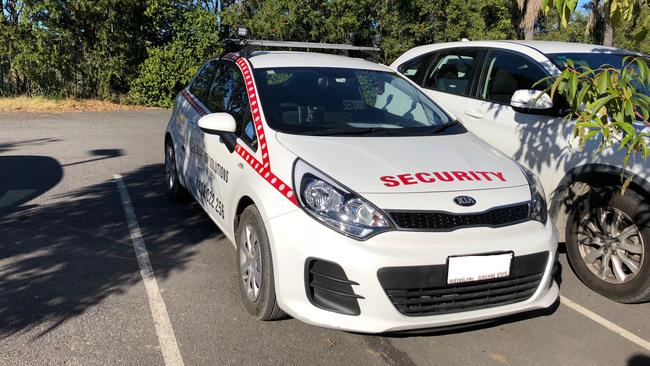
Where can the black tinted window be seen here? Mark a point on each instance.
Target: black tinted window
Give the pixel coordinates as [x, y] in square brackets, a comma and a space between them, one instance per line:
[453, 72]
[228, 94]
[201, 83]
[413, 69]
[506, 73]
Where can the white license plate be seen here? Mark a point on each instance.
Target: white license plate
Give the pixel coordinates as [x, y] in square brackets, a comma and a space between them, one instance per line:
[478, 268]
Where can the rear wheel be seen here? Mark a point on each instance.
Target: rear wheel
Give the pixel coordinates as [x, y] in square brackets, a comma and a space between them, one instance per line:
[608, 237]
[255, 267]
[173, 187]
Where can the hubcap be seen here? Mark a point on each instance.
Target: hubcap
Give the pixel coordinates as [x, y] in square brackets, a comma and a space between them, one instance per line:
[250, 262]
[610, 244]
[170, 167]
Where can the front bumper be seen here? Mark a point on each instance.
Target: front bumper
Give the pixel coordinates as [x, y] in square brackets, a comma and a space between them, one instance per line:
[296, 237]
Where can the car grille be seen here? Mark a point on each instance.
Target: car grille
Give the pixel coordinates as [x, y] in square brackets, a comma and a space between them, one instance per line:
[419, 220]
[422, 290]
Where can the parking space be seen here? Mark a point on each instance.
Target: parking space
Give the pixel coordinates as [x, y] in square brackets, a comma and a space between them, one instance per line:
[72, 292]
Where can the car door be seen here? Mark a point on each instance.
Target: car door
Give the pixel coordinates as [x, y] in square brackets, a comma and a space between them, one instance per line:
[197, 161]
[224, 173]
[539, 142]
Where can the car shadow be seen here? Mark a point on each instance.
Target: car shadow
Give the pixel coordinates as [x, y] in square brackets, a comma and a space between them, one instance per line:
[60, 259]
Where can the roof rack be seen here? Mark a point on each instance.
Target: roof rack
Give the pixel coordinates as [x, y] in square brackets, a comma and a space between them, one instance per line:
[247, 46]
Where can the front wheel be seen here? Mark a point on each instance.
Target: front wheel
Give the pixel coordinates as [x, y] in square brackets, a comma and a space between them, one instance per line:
[255, 267]
[608, 238]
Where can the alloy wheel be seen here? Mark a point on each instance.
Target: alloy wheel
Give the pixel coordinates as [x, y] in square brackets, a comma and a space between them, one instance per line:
[250, 262]
[611, 245]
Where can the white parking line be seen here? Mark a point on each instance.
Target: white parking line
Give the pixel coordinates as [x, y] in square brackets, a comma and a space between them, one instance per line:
[166, 337]
[606, 323]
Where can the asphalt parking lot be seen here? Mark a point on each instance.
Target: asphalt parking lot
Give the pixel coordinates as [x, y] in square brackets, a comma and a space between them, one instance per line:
[72, 293]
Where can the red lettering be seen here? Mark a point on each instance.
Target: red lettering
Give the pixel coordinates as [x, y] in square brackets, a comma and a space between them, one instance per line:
[476, 177]
[446, 178]
[499, 175]
[461, 176]
[407, 179]
[485, 175]
[422, 177]
[389, 181]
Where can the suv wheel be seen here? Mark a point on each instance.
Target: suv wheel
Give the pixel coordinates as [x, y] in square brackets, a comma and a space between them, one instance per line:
[255, 267]
[173, 187]
[608, 238]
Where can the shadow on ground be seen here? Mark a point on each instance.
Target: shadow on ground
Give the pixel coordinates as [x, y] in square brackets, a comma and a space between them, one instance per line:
[58, 260]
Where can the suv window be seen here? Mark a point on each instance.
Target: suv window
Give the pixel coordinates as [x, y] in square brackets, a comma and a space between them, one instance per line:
[506, 73]
[202, 81]
[413, 69]
[453, 72]
[228, 94]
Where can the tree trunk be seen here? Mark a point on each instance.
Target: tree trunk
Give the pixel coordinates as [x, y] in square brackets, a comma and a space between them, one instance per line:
[608, 32]
[527, 24]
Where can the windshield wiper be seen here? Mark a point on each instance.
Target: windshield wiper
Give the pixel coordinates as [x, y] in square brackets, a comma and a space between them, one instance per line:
[445, 126]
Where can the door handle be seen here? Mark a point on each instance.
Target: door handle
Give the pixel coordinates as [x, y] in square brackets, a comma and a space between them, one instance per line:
[474, 114]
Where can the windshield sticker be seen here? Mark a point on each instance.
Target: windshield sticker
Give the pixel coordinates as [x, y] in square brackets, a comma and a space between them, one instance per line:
[353, 105]
[433, 177]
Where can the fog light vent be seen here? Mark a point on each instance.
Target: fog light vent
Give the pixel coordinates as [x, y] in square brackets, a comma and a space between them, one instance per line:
[328, 287]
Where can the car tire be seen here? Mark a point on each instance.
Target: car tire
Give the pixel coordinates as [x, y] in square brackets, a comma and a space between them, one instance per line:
[175, 191]
[608, 226]
[254, 266]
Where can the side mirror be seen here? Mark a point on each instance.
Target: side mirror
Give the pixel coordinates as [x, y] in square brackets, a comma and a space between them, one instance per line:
[531, 101]
[222, 124]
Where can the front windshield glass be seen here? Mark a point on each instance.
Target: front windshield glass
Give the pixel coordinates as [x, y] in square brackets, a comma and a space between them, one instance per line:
[595, 61]
[339, 101]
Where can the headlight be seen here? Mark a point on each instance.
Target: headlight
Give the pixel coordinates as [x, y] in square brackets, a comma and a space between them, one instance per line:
[538, 211]
[336, 206]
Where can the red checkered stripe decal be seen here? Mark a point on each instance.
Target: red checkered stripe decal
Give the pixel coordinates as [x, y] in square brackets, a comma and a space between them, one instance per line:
[263, 168]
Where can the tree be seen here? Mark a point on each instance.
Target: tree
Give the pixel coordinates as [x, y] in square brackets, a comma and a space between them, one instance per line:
[608, 101]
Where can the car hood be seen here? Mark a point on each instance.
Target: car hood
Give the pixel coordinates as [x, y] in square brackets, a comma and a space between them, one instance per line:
[439, 163]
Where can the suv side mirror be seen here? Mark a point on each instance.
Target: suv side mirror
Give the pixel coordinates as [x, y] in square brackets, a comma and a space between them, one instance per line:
[222, 124]
[531, 101]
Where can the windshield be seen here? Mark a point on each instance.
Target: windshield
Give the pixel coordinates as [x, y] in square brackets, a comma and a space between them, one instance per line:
[338, 101]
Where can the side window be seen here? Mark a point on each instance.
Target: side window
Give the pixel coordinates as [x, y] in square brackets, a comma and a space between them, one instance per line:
[506, 73]
[453, 72]
[228, 94]
[413, 69]
[201, 83]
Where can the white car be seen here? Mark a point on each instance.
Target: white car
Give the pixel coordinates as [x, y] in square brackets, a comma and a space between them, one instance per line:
[355, 201]
[489, 86]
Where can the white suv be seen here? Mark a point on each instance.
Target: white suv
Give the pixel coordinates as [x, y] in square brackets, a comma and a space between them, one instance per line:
[488, 85]
[353, 199]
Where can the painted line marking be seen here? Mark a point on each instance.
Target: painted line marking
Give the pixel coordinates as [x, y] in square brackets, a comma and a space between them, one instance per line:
[166, 337]
[606, 323]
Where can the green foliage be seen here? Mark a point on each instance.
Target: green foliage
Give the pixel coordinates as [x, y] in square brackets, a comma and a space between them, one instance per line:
[171, 65]
[606, 102]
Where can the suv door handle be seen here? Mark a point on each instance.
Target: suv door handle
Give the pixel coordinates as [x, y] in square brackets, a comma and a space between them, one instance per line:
[474, 114]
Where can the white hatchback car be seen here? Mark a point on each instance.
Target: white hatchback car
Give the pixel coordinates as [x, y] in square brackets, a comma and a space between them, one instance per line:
[353, 199]
[488, 85]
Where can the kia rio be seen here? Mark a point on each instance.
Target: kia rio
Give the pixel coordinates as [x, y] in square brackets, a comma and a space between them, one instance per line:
[353, 199]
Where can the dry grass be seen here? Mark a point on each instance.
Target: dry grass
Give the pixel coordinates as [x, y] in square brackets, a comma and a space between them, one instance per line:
[40, 104]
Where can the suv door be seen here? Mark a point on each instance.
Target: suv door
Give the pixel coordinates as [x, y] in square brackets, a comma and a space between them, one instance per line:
[533, 140]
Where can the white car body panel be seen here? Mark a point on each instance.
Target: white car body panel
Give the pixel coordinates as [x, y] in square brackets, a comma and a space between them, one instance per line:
[265, 177]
